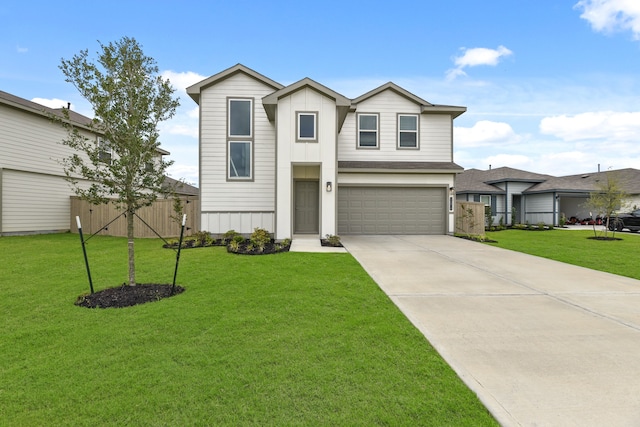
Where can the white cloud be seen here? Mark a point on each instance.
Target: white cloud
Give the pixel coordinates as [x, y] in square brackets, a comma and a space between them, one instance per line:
[51, 103]
[612, 15]
[477, 56]
[182, 80]
[485, 133]
[21, 49]
[606, 125]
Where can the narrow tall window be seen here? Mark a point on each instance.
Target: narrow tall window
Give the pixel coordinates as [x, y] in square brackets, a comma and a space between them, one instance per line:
[307, 127]
[239, 159]
[240, 143]
[367, 130]
[240, 117]
[407, 131]
[105, 150]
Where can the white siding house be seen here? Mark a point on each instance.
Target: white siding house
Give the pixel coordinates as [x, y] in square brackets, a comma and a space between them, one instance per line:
[34, 196]
[303, 159]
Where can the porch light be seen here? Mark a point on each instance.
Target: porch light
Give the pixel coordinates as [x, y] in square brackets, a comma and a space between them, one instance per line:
[329, 187]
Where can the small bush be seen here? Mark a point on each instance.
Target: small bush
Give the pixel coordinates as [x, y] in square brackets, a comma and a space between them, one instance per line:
[229, 235]
[202, 238]
[541, 226]
[333, 239]
[260, 238]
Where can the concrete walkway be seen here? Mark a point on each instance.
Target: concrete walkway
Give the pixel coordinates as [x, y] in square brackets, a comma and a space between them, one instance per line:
[542, 343]
[311, 243]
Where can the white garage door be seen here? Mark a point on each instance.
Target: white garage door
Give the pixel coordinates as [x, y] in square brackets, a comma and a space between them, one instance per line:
[391, 210]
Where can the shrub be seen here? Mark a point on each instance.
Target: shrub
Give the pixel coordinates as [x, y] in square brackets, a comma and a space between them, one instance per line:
[260, 238]
[202, 238]
[541, 226]
[229, 235]
[333, 239]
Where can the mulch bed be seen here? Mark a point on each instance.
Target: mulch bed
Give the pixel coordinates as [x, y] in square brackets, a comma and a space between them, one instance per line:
[246, 248]
[127, 296]
[327, 243]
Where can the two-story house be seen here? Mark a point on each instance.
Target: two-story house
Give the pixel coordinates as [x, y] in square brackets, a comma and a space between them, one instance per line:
[34, 195]
[304, 159]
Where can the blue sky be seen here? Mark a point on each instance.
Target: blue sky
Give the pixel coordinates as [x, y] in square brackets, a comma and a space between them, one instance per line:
[550, 86]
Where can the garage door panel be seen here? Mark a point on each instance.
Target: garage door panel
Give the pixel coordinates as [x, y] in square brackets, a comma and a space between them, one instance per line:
[391, 210]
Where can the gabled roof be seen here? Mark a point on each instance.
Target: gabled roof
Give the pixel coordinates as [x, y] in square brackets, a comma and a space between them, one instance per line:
[194, 90]
[181, 188]
[479, 181]
[33, 107]
[270, 102]
[628, 179]
[426, 107]
[39, 109]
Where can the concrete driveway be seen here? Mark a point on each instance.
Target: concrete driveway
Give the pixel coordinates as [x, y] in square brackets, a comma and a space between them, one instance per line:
[542, 343]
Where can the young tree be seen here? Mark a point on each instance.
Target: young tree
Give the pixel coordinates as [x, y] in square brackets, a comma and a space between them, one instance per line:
[129, 100]
[607, 198]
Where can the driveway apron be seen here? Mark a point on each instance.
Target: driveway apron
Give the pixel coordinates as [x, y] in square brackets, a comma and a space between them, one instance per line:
[542, 343]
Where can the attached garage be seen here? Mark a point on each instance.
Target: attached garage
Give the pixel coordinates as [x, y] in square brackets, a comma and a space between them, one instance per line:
[392, 210]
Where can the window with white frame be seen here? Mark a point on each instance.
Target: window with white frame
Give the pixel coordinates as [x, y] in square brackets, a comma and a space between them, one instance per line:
[240, 143]
[407, 131]
[367, 130]
[307, 127]
[486, 200]
[105, 150]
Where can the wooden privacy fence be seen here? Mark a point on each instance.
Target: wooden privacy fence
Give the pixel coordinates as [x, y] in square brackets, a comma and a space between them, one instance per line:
[158, 216]
[470, 218]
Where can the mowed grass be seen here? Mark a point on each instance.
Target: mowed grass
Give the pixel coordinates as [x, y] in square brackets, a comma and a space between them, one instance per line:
[279, 340]
[575, 247]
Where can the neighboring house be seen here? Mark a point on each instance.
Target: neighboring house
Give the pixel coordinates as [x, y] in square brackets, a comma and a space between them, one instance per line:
[303, 159]
[536, 198]
[34, 196]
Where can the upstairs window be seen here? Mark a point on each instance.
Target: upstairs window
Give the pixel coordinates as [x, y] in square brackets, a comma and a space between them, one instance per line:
[240, 118]
[407, 131]
[240, 139]
[105, 150]
[367, 131]
[307, 127]
[240, 160]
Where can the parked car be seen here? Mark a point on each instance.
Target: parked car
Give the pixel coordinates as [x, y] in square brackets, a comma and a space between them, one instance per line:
[629, 220]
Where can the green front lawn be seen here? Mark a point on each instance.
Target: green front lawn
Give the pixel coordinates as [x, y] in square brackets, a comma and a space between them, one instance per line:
[574, 247]
[286, 339]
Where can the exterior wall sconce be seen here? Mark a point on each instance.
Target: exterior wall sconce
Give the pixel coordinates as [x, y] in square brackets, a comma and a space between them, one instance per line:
[329, 187]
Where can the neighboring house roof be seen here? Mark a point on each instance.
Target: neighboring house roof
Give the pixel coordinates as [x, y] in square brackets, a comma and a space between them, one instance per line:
[194, 90]
[270, 102]
[479, 181]
[628, 179]
[427, 107]
[474, 181]
[181, 188]
[39, 109]
[44, 111]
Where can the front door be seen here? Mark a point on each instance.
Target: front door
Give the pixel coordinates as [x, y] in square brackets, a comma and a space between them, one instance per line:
[306, 207]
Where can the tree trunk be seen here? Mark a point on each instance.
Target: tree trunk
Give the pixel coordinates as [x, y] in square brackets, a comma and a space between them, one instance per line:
[132, 262]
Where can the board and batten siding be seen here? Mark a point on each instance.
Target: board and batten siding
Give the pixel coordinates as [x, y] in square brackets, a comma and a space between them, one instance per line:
[435, 132]
[539, 208]
[238, 205]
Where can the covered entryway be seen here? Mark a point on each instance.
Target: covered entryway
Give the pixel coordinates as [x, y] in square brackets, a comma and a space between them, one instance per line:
[391, 210]
[306, 202]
